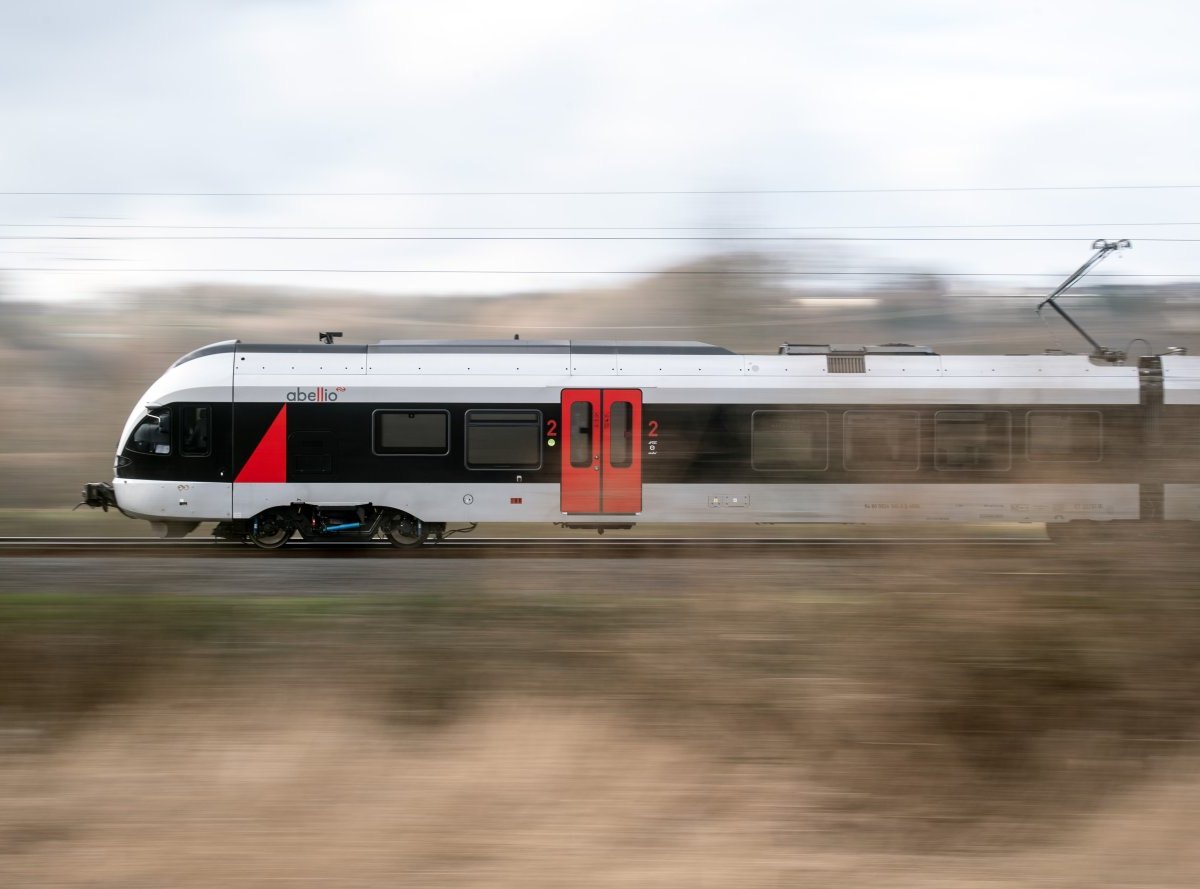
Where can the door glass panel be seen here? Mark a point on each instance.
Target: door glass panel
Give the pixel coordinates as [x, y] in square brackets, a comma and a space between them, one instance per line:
[581, 434]
[620, 418]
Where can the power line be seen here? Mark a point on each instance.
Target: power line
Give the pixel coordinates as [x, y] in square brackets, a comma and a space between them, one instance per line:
[906, 273]
[595, 193]
[719, 238]
[679, 228]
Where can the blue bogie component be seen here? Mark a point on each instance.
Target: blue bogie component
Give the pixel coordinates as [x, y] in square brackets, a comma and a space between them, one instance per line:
[348, 526]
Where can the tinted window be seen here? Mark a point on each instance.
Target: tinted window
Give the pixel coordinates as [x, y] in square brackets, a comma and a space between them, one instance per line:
[881, 440]
[581, 434]
[972, 440]
[620, 418]
[152, 435]
[504, 439]
[1064, 436]
[195, 430]
[412, 433]
[789, 440]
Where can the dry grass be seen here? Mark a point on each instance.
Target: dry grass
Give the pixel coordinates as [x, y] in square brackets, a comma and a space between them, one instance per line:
[277, 787]
[1013, 736]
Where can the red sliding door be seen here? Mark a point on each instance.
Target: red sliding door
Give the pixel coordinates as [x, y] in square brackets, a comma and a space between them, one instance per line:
[602, 451]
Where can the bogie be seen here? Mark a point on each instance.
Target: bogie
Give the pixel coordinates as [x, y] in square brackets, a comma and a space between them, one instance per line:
[404, 530]
[271, 529]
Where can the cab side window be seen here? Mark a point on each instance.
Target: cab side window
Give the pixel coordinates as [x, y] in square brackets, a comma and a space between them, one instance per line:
[195, 430]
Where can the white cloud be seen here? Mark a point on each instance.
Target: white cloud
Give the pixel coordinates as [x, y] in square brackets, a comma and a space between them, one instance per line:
[530, 96]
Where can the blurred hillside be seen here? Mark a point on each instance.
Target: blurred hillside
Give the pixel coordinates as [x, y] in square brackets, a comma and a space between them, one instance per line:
[75, 369]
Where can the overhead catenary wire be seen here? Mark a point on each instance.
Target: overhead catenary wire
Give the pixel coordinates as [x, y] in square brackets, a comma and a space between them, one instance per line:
[632, 192]
[781, 273]
[679, 228]
[690, 238]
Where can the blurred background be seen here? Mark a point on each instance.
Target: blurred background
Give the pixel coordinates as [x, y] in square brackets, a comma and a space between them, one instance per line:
[82, 364]
[744, 174]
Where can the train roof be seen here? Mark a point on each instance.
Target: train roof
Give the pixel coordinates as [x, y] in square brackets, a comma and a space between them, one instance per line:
[891, 373]
[505, 347]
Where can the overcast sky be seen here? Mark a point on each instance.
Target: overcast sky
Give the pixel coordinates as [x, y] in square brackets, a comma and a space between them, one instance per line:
[524, 97]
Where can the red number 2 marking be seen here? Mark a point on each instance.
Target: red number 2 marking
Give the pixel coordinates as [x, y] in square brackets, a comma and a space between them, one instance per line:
[551, 428]
[653, 428]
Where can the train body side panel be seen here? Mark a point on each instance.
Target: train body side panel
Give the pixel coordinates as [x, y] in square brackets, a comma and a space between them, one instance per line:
[299, 427]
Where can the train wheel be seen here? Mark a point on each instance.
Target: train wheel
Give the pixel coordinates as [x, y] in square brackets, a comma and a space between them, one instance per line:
[404, 530]
[271, 529]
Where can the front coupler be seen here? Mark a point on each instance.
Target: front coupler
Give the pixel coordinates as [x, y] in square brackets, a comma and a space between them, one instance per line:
[98, 495]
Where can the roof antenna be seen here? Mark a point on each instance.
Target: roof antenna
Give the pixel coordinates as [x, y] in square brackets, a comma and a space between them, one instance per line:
[1102, 248]
[327, 338]
[516, 336]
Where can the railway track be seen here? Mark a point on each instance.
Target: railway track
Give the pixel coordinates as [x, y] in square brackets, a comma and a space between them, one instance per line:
[491, 547]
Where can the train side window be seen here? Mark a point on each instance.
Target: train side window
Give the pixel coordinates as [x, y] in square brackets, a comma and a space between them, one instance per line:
[881, 440]
[411, 433]
[195, 430]
[620, 415]
[1064, 436]
[972, 440]
[581, 434]
[504, 439]
[783, 441]
[152, 435]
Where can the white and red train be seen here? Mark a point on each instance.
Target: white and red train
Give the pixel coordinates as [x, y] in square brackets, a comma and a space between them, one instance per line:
[401, 439]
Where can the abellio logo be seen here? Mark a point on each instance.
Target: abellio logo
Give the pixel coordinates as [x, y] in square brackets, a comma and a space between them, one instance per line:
[320, 394]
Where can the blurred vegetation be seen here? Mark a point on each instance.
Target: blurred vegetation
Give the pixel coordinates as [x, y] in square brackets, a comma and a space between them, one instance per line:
[935, 711]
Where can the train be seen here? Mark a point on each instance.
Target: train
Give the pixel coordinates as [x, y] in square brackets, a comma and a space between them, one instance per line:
[413, 440]
[407, 439]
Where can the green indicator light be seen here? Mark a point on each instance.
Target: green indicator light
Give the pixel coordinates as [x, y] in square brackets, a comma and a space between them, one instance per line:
[550, 442]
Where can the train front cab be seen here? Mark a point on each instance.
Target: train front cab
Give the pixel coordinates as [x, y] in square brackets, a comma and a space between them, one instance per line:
[173, 465]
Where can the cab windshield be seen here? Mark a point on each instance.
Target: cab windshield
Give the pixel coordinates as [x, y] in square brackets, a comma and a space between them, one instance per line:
[152, 435]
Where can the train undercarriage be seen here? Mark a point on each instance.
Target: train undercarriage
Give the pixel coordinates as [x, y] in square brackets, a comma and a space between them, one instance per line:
[272, 528]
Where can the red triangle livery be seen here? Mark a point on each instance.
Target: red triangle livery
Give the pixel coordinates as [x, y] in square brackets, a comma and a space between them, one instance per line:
[268, 463]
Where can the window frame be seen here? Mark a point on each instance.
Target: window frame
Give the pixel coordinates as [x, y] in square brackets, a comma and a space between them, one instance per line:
[194, 406]
[626, 432]
[578, 456]
[151, 412]
[1099, 458]
[753, 418]
[846, 423]
[535, 424]
[377, 432]
[1008, 440]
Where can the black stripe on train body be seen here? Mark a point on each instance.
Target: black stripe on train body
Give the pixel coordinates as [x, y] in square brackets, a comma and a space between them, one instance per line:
[700, 444]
